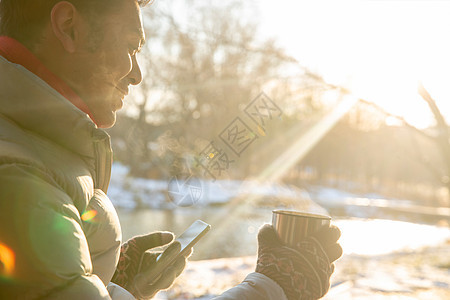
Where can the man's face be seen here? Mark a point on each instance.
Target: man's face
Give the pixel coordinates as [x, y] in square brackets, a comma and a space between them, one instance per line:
[106, 63]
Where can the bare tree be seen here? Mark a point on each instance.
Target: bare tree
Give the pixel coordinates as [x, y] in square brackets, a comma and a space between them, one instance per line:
[442, 136]
[202, 63]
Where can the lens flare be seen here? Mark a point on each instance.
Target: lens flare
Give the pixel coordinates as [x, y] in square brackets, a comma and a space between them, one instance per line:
[89, 215]
[301, 142]
[7, 261]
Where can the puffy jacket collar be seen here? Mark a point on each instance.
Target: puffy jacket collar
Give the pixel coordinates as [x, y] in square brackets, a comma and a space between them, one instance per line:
[35, 106]
[17, 53]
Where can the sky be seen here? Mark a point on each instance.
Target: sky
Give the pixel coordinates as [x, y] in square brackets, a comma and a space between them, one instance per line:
[379, 49]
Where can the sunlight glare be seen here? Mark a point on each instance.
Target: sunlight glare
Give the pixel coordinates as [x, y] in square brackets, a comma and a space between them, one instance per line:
[378, 237]
[300, 144]
[377, 49]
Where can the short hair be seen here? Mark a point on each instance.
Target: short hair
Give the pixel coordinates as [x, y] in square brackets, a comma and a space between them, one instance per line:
[24, 20]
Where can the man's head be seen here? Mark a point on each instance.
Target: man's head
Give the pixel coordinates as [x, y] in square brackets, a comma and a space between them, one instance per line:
[90, 44]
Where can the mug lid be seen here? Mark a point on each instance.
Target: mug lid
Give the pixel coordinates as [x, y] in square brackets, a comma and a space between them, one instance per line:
[300, 214]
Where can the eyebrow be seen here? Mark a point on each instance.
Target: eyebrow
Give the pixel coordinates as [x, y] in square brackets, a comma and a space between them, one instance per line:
[140, 33]
[141, 44]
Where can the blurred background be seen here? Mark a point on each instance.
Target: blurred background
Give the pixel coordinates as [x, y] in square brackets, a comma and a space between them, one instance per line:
[333, 107]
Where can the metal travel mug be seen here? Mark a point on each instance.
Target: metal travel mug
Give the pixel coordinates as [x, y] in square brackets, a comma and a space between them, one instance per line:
[293, 226]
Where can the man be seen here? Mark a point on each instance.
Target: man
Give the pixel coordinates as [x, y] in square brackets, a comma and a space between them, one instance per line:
[65, 68]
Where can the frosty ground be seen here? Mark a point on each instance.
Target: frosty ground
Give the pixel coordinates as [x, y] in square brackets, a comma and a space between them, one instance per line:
[406, 273]
[383, 258]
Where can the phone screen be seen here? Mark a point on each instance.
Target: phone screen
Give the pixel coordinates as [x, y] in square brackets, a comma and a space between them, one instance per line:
[187, 240]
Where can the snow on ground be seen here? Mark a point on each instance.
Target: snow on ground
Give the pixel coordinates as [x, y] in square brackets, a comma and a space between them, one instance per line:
[412, 268]
[421, 274]
[383, 259]
[332, 197]
[400, 276]
[374, 206]
[128, 192]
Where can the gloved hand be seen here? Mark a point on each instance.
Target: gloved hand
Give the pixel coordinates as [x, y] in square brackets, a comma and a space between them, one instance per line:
[302, 272]
[135, 260]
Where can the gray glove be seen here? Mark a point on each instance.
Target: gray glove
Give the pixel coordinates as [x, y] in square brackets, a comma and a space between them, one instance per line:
[304, 272]
[135, 261]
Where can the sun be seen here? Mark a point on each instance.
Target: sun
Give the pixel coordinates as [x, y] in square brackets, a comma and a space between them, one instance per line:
[397, 95]
[380, 50]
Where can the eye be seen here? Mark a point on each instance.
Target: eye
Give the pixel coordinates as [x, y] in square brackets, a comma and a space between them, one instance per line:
[132, 51]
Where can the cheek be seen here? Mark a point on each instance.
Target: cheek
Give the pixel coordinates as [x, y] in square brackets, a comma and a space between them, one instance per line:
[122, 64]
[113, 66]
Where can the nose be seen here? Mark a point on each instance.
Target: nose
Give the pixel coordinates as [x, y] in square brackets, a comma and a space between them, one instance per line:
[135, 75]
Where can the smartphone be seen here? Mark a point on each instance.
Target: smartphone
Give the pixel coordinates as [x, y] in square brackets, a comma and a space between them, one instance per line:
[191, 236]
[187, 239]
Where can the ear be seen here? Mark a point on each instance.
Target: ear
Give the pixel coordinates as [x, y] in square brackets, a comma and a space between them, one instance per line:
[64, 22]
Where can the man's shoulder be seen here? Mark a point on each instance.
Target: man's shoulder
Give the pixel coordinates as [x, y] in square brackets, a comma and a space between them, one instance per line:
[33, 156]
